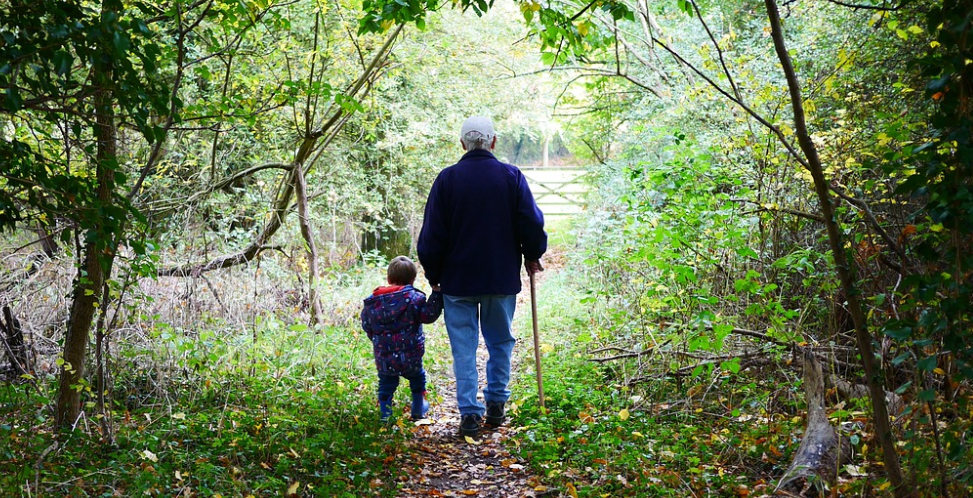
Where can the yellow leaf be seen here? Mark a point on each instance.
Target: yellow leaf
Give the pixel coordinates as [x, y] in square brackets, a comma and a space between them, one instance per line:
[540, 488]
[471, 440]
[294, 453]
[935, 44]
[938, 227]
[637, 434]
[572, 491]
[148, 455]
[179, 416]
[938, 371]
[547, 348]
[469, 492]
[292, 489]
[623, 414]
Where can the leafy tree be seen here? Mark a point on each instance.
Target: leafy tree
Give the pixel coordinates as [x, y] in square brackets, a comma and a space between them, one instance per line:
[105, 107]
[75, 75]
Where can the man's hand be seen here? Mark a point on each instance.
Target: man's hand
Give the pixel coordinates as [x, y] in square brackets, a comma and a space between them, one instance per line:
[533, 266]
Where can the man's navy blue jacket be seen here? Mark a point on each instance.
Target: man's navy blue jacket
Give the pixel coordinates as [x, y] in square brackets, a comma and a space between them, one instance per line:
[480, 221]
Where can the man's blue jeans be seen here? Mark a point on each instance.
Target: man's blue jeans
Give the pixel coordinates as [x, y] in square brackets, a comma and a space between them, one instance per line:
[466, 317]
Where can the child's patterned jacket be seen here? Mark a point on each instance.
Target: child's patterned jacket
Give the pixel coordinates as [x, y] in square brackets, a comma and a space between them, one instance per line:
[392, 317]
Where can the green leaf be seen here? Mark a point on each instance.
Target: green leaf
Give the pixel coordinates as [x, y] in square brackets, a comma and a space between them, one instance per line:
[900, 334]
[927, 364]
[14, 102]
[732, 365]
[121, 44]
[686, 6]
[62, 62]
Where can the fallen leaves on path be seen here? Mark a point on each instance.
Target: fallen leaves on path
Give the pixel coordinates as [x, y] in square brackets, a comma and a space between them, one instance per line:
[442, 463]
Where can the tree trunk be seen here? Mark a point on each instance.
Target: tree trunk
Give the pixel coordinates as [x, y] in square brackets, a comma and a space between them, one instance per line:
[98, 255]
[821, 451]
[300, 187]
[873, 375]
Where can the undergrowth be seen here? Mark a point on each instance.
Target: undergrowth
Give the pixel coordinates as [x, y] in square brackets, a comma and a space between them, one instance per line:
[601, 436]
[290, 412]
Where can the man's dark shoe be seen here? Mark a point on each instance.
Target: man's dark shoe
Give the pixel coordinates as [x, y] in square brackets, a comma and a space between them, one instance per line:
[469, 425]
[494, 413]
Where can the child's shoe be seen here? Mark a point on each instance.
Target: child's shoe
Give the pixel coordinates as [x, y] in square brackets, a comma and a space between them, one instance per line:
[385, 410]
[419, 406]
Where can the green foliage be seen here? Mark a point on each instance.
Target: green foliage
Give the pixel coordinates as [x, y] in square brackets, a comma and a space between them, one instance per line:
[50, 50]
[598, 437]
[219, 414]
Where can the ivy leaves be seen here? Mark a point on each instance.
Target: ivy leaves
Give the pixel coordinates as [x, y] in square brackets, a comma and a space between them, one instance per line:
[48, 48]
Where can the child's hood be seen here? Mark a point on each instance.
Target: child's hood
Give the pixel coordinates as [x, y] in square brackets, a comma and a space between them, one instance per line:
[388, 303]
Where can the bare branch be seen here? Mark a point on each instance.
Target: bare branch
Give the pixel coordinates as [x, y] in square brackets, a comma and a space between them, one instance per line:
[795, 212]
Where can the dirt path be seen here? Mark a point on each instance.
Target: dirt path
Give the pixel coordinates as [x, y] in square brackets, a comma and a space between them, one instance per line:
[441, 463]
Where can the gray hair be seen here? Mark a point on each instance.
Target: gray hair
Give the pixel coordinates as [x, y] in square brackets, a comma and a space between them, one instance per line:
[474, 140]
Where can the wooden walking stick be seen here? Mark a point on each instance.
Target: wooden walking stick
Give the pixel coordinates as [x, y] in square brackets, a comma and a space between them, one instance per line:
[537, 347]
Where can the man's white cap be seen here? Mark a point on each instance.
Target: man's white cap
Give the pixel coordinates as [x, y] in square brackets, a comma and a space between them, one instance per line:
[476, 128]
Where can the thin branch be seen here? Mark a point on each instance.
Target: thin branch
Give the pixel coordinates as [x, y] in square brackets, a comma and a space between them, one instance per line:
[582, 11]
[719, 51]
[241, 257]
[801, 214]
[863, 206]
[869, 7]
[775, 130]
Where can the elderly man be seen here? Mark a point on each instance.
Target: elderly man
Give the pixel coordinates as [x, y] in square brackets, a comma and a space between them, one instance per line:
[480, 222]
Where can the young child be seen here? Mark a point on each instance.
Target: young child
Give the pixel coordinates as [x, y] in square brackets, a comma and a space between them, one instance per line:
[392, 317]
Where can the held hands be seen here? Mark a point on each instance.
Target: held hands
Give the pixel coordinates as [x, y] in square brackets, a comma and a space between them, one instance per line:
[533, 266]
[436, 288]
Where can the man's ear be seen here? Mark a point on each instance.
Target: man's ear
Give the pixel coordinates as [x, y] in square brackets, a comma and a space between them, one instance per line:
[461, 144]
[493, 143]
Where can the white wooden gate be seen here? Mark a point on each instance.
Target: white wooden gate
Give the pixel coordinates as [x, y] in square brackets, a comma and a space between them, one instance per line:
[558, 191]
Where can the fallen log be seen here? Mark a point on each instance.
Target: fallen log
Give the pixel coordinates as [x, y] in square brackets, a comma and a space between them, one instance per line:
[822, 451]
